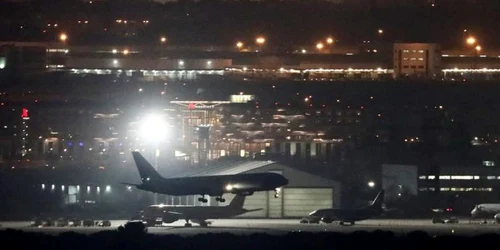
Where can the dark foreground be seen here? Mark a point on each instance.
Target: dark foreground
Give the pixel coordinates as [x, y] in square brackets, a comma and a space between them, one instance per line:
[134, 239]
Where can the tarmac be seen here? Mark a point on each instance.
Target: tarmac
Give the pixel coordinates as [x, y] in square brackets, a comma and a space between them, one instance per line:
[280, 227]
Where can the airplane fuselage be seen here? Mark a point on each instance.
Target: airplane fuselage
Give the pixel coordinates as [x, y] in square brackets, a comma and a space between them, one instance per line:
[195, 212]
[347, 215]
[485, 210]
[244, 184]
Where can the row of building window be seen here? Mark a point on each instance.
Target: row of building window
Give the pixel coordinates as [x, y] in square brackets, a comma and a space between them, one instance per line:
[457, 189]
[413, 67]
[413, 59]
[459, 177]
[413, 51]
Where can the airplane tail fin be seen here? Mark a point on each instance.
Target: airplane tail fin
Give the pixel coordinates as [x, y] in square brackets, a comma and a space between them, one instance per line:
[237, 201]
[379, 200]
[146, 171]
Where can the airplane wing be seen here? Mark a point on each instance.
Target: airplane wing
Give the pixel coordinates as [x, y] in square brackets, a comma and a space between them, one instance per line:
[243, 186]
[174, 213]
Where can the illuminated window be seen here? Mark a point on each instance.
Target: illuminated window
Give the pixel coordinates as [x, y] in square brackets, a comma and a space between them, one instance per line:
[445, 189]
[444, 177]
[431, 177]
[422, 177]
[488, 163]
[476, 177]
[491, 177]
[462, 177]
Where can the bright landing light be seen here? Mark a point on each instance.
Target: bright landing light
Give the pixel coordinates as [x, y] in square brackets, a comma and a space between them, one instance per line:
[154, 128]
[229, 187]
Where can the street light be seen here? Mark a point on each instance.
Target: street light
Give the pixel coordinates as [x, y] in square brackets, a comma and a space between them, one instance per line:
[239, 45]
[371, 184]
[380, 31]
[154, 129]
[329, 40]
[260, 40]
[63, 37]
[478, 48]
[319, 46]
[163, 40]
[471, 40]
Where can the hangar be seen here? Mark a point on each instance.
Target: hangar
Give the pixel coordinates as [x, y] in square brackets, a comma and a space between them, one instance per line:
[304, 193]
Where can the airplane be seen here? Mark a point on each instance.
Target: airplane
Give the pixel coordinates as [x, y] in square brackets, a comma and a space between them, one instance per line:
[196, 214]
[214, 185]
[486, 210]
[329, 215]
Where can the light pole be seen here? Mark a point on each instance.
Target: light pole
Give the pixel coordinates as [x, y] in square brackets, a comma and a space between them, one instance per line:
[163, 40]
[154, 129]
[260, 41]
[471, 41]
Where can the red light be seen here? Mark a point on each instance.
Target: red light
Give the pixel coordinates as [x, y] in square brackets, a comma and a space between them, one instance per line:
[449, 209]
[24, 113]
[191, 106]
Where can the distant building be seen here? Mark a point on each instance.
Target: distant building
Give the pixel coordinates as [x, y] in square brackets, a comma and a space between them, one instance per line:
[417, 60]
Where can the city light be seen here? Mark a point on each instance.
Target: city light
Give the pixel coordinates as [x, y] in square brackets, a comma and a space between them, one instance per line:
[260, 40]
[329, 40]
[153, 128]
[239, 45]
[471, 40]
[63, 37]
[125, 52]
[371, 184]
[478, 48]
[319, 46]
[380, 31]
[163, 39]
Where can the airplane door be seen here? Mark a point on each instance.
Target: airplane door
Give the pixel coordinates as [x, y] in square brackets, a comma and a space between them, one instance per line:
[275, 205]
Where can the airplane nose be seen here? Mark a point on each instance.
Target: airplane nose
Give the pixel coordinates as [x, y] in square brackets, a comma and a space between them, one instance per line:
[284, 181]
[474, 212]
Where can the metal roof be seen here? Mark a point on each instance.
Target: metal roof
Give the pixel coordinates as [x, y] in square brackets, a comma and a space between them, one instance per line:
[229, 168]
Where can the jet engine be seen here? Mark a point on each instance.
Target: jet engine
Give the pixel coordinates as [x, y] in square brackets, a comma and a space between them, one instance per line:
[245, 193]
[327, 220]
[497, 218]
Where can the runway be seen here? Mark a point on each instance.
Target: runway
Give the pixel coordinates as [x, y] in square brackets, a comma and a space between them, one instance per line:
[281, 226]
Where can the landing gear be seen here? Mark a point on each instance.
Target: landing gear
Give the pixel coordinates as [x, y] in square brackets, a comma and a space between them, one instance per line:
[202, 199]
[187, 224]
[220, 199]
[277, 193]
